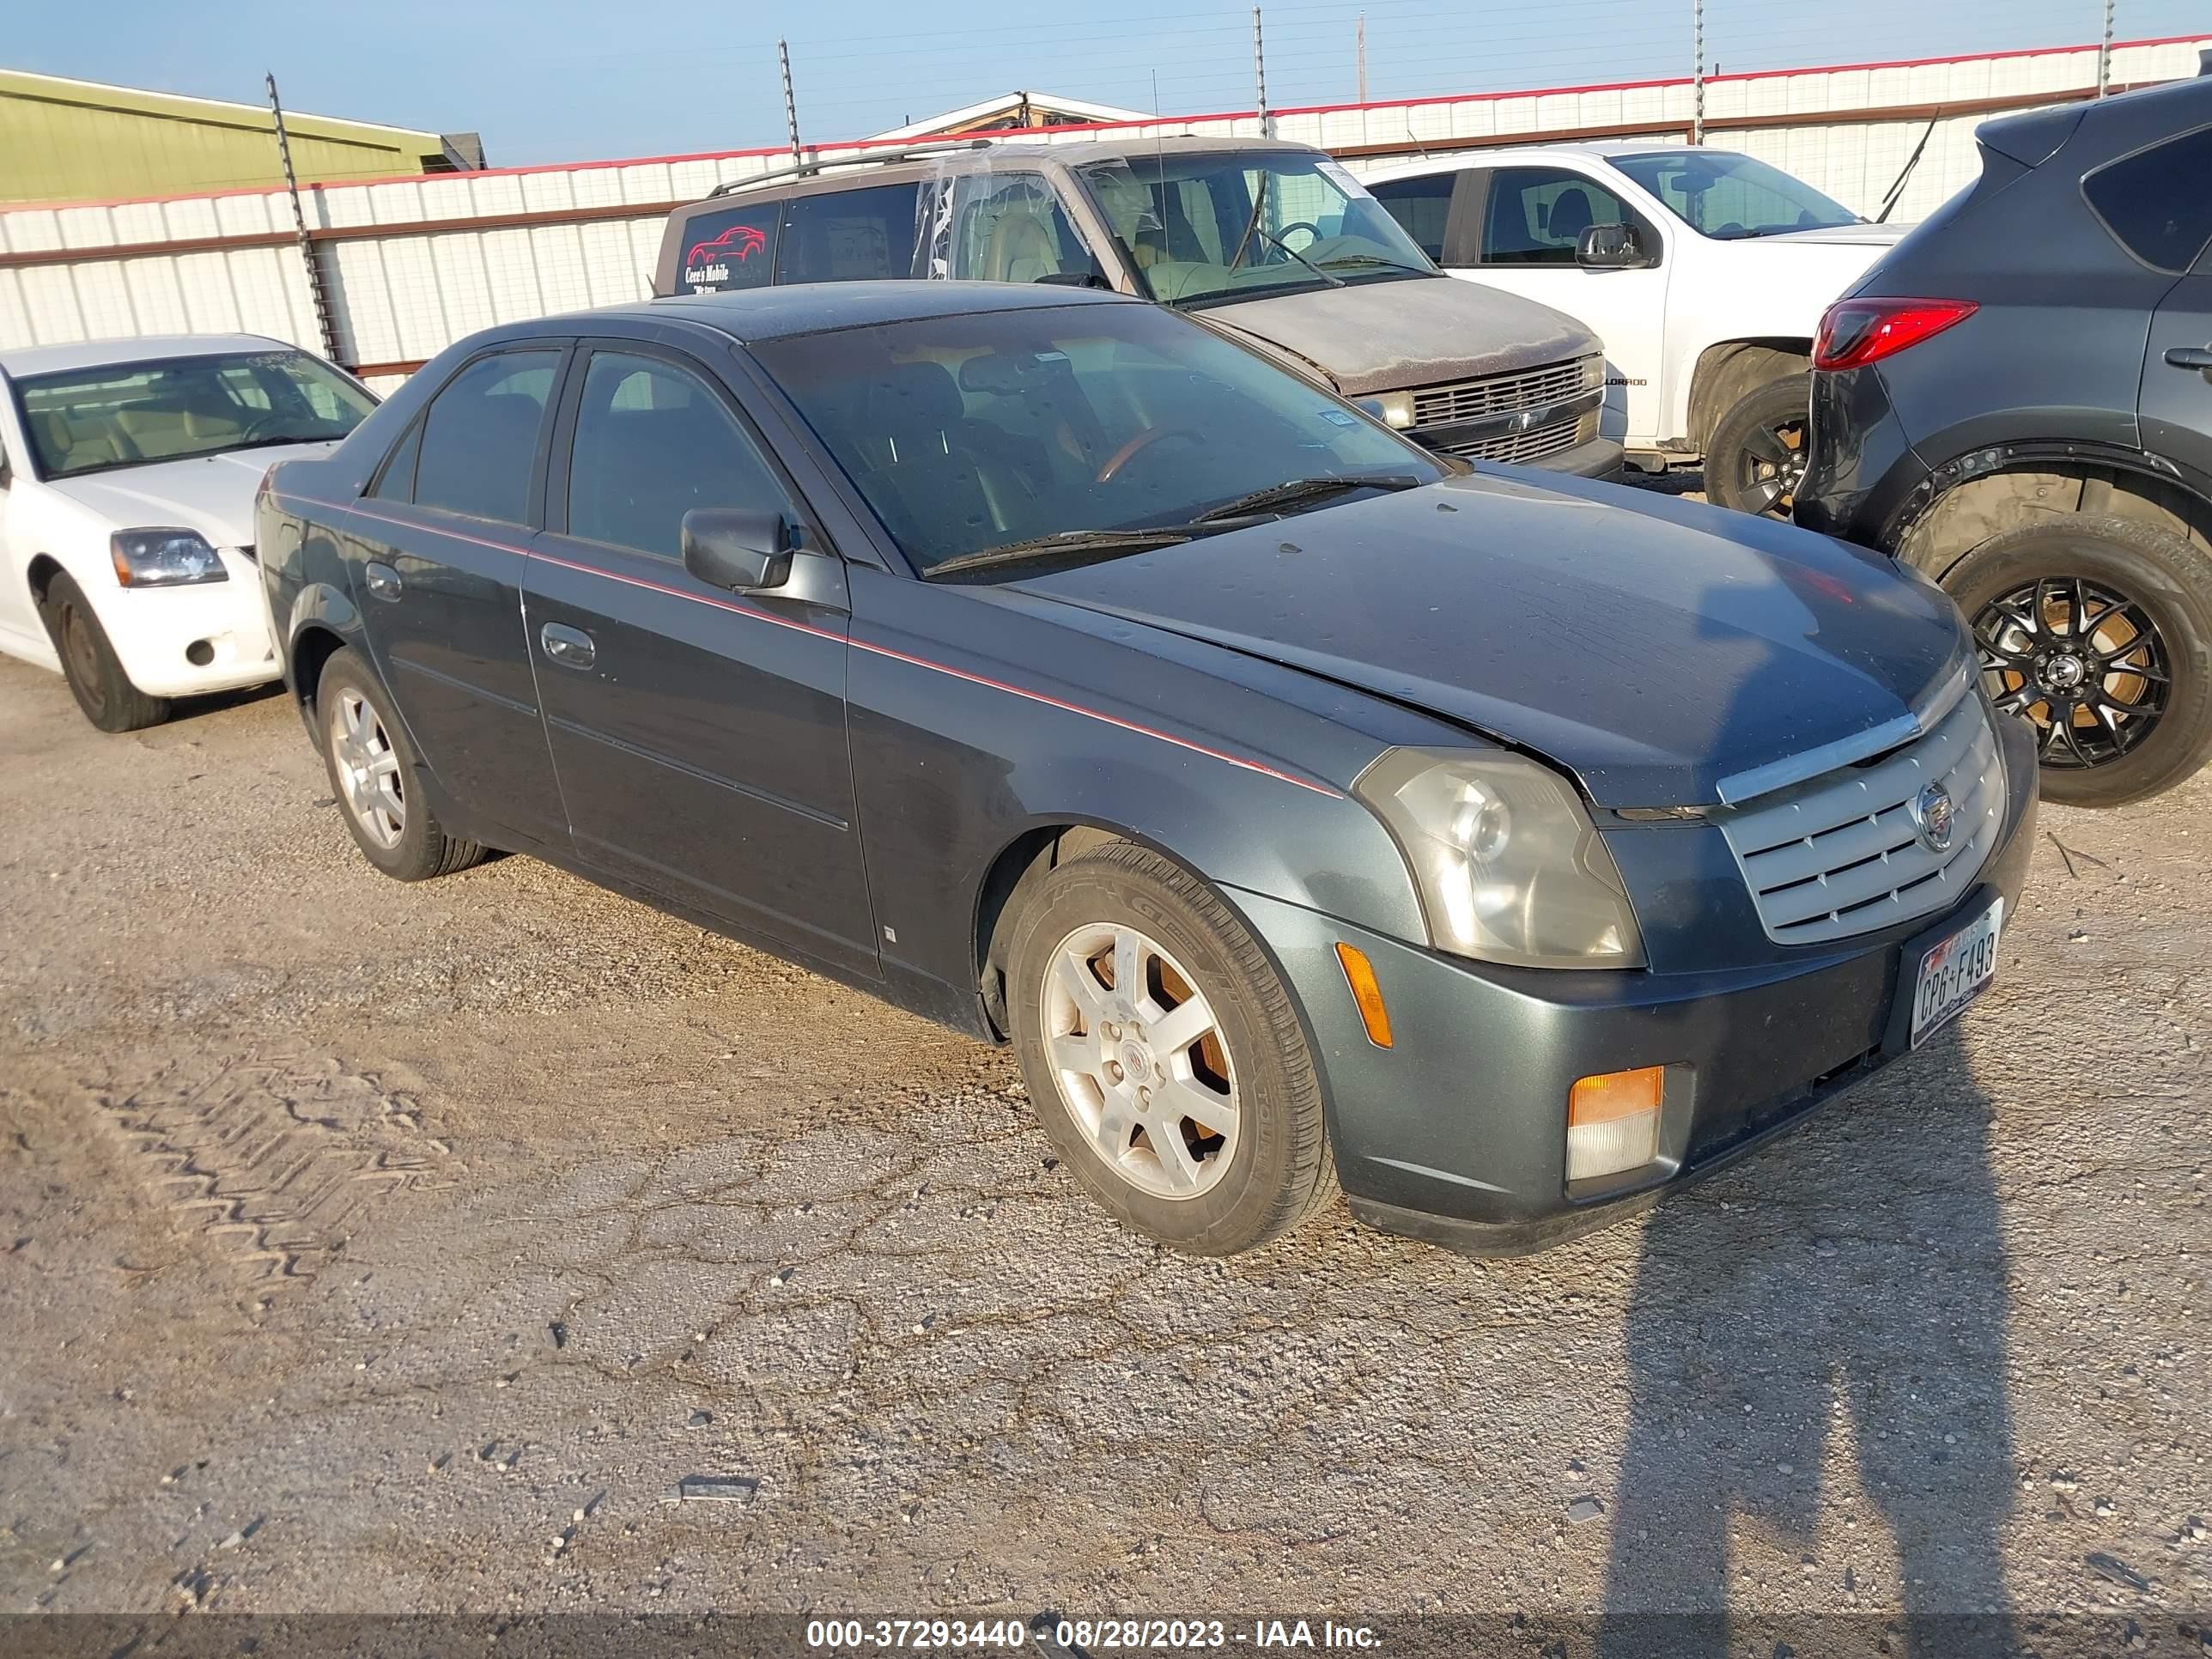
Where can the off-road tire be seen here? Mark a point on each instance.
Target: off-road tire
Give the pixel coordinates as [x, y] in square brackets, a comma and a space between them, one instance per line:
[90, 665]
[1282, 1171]
[2171, 580]
[424, 848]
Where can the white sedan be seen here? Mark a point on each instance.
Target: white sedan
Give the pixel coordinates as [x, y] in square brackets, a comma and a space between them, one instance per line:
[128, 470]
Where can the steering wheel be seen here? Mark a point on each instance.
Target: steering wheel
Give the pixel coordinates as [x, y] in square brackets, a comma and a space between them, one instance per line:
[260, 424]
[1306, 225]
[1137, 445]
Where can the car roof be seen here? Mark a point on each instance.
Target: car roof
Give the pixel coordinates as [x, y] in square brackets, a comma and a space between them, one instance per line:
[1605, 150]
[136, 349]
[771, 313]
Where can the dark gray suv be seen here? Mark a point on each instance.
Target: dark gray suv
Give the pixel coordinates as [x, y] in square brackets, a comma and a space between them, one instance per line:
[2018, 400]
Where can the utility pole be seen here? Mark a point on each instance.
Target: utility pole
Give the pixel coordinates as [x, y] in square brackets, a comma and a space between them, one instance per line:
[1260, 75]
[1698, 74]
[2105, 53]
[790, 104]
[1360, 56]
[323, 334]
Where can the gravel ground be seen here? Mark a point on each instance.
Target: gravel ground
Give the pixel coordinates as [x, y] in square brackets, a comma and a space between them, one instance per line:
[355, 1238]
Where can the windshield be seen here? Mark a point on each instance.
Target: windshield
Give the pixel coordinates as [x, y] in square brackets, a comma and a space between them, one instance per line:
[1232, 225]
[91, 420]
[994, 429]
[1726, 197]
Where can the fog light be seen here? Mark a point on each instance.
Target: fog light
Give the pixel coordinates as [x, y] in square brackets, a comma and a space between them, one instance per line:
[1613, 1121]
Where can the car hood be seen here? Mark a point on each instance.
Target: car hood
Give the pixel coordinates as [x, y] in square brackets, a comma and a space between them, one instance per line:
[1654, 647]
[1418, 331]
[211, 494]
[1867, 236]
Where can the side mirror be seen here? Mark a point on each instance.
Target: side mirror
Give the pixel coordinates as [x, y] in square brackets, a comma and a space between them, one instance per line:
[1611, 247]
[739, 548]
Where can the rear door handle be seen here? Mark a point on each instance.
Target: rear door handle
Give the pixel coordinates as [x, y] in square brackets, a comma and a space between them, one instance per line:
[2196, 357]
[383, 582]
[571, 648]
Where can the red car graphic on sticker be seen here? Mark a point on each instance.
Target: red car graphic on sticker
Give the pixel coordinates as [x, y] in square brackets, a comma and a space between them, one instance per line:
[739, 242]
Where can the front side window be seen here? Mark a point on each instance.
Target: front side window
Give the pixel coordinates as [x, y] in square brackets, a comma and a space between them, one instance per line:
[1421, 206]
[653, 441]
[849, 236]
[1729, 197]
[1537, 215]
[479, 443]
[1237, 224]
[2158, 203]
[734, 248]
[90, 420]
[975, 432]
[1012, 230]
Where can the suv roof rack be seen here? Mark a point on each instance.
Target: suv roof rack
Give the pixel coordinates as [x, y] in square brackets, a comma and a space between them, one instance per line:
[877, 158]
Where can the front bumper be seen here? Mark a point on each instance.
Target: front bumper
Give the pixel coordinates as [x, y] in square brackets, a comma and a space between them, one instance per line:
[1457, 1133]
[158, 631]
[1595, 458]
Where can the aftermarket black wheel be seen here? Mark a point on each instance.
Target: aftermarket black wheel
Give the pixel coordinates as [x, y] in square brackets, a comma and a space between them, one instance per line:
[374, 774]
[1166, 1062]
[1756, 458]
[90, 665]
[2099, 632]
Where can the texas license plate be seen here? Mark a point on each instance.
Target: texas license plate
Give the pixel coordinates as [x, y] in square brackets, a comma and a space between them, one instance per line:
[1954, 971]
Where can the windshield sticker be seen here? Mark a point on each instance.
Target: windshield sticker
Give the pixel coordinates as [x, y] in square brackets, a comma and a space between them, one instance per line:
[1338, 417]
[1335, 174]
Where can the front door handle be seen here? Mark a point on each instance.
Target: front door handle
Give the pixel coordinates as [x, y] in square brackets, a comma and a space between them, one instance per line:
[2197, 357]
[571, 648]
[383, 582]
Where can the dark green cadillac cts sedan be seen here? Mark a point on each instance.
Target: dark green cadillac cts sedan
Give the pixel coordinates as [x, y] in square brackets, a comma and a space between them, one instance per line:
[1304, 808]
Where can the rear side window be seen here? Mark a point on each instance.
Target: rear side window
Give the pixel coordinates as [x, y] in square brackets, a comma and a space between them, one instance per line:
[1421, 206]
[480, 439]
[732, 249]
[1537, 215]
[653, 441]
[2158, 203]
[849, 236]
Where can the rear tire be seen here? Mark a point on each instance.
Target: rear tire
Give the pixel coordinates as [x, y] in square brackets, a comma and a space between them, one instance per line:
[90, 665]
[1756, 458]
[377, 779]
[1115, 1076]
[2135, 735]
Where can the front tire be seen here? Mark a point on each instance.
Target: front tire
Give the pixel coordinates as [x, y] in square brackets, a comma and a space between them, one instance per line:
[90, 665]
[1755, 460]
[377, 779]
[2099, 632]
[1166, 1060]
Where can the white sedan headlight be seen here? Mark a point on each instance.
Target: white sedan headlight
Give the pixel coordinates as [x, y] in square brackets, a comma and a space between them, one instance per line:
[1509, 867]
[164, 558]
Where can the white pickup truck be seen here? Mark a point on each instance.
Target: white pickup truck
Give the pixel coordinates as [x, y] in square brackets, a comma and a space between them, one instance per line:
[1704, 271]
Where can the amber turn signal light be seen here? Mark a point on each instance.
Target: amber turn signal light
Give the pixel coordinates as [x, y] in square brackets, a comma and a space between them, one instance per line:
[1613, 1121]
[1359, 974]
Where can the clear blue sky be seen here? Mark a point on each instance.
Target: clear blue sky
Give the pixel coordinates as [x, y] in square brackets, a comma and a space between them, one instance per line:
[562, 79]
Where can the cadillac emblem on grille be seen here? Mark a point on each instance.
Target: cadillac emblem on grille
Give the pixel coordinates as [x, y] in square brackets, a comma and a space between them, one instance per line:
[1936, 816]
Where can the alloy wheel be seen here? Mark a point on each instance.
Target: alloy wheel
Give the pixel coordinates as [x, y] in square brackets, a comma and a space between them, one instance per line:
[1140, 1060]
[368, 768]
[2085, 663]
[1770, 468]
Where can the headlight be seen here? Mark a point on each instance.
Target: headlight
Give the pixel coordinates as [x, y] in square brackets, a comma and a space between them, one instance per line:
[164, 558]
[1391, 408]
[1508, 866]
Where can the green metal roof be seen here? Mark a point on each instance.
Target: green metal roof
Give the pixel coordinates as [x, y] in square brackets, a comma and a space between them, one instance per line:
[62, 140]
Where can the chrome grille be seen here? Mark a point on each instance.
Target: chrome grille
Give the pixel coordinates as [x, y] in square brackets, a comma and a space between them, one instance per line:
[1467, 400]
[1524, 446]
[1842, 854]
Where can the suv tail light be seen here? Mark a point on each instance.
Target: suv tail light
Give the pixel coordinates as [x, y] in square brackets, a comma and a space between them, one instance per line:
[1856, 332]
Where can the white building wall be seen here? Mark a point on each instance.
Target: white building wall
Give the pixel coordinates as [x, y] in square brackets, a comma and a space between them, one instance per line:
[432, 271]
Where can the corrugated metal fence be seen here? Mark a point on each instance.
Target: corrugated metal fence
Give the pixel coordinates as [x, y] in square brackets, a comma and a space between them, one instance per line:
[413, 265]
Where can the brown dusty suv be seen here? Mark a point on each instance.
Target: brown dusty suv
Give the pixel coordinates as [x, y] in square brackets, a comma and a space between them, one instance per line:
[1271, 244]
